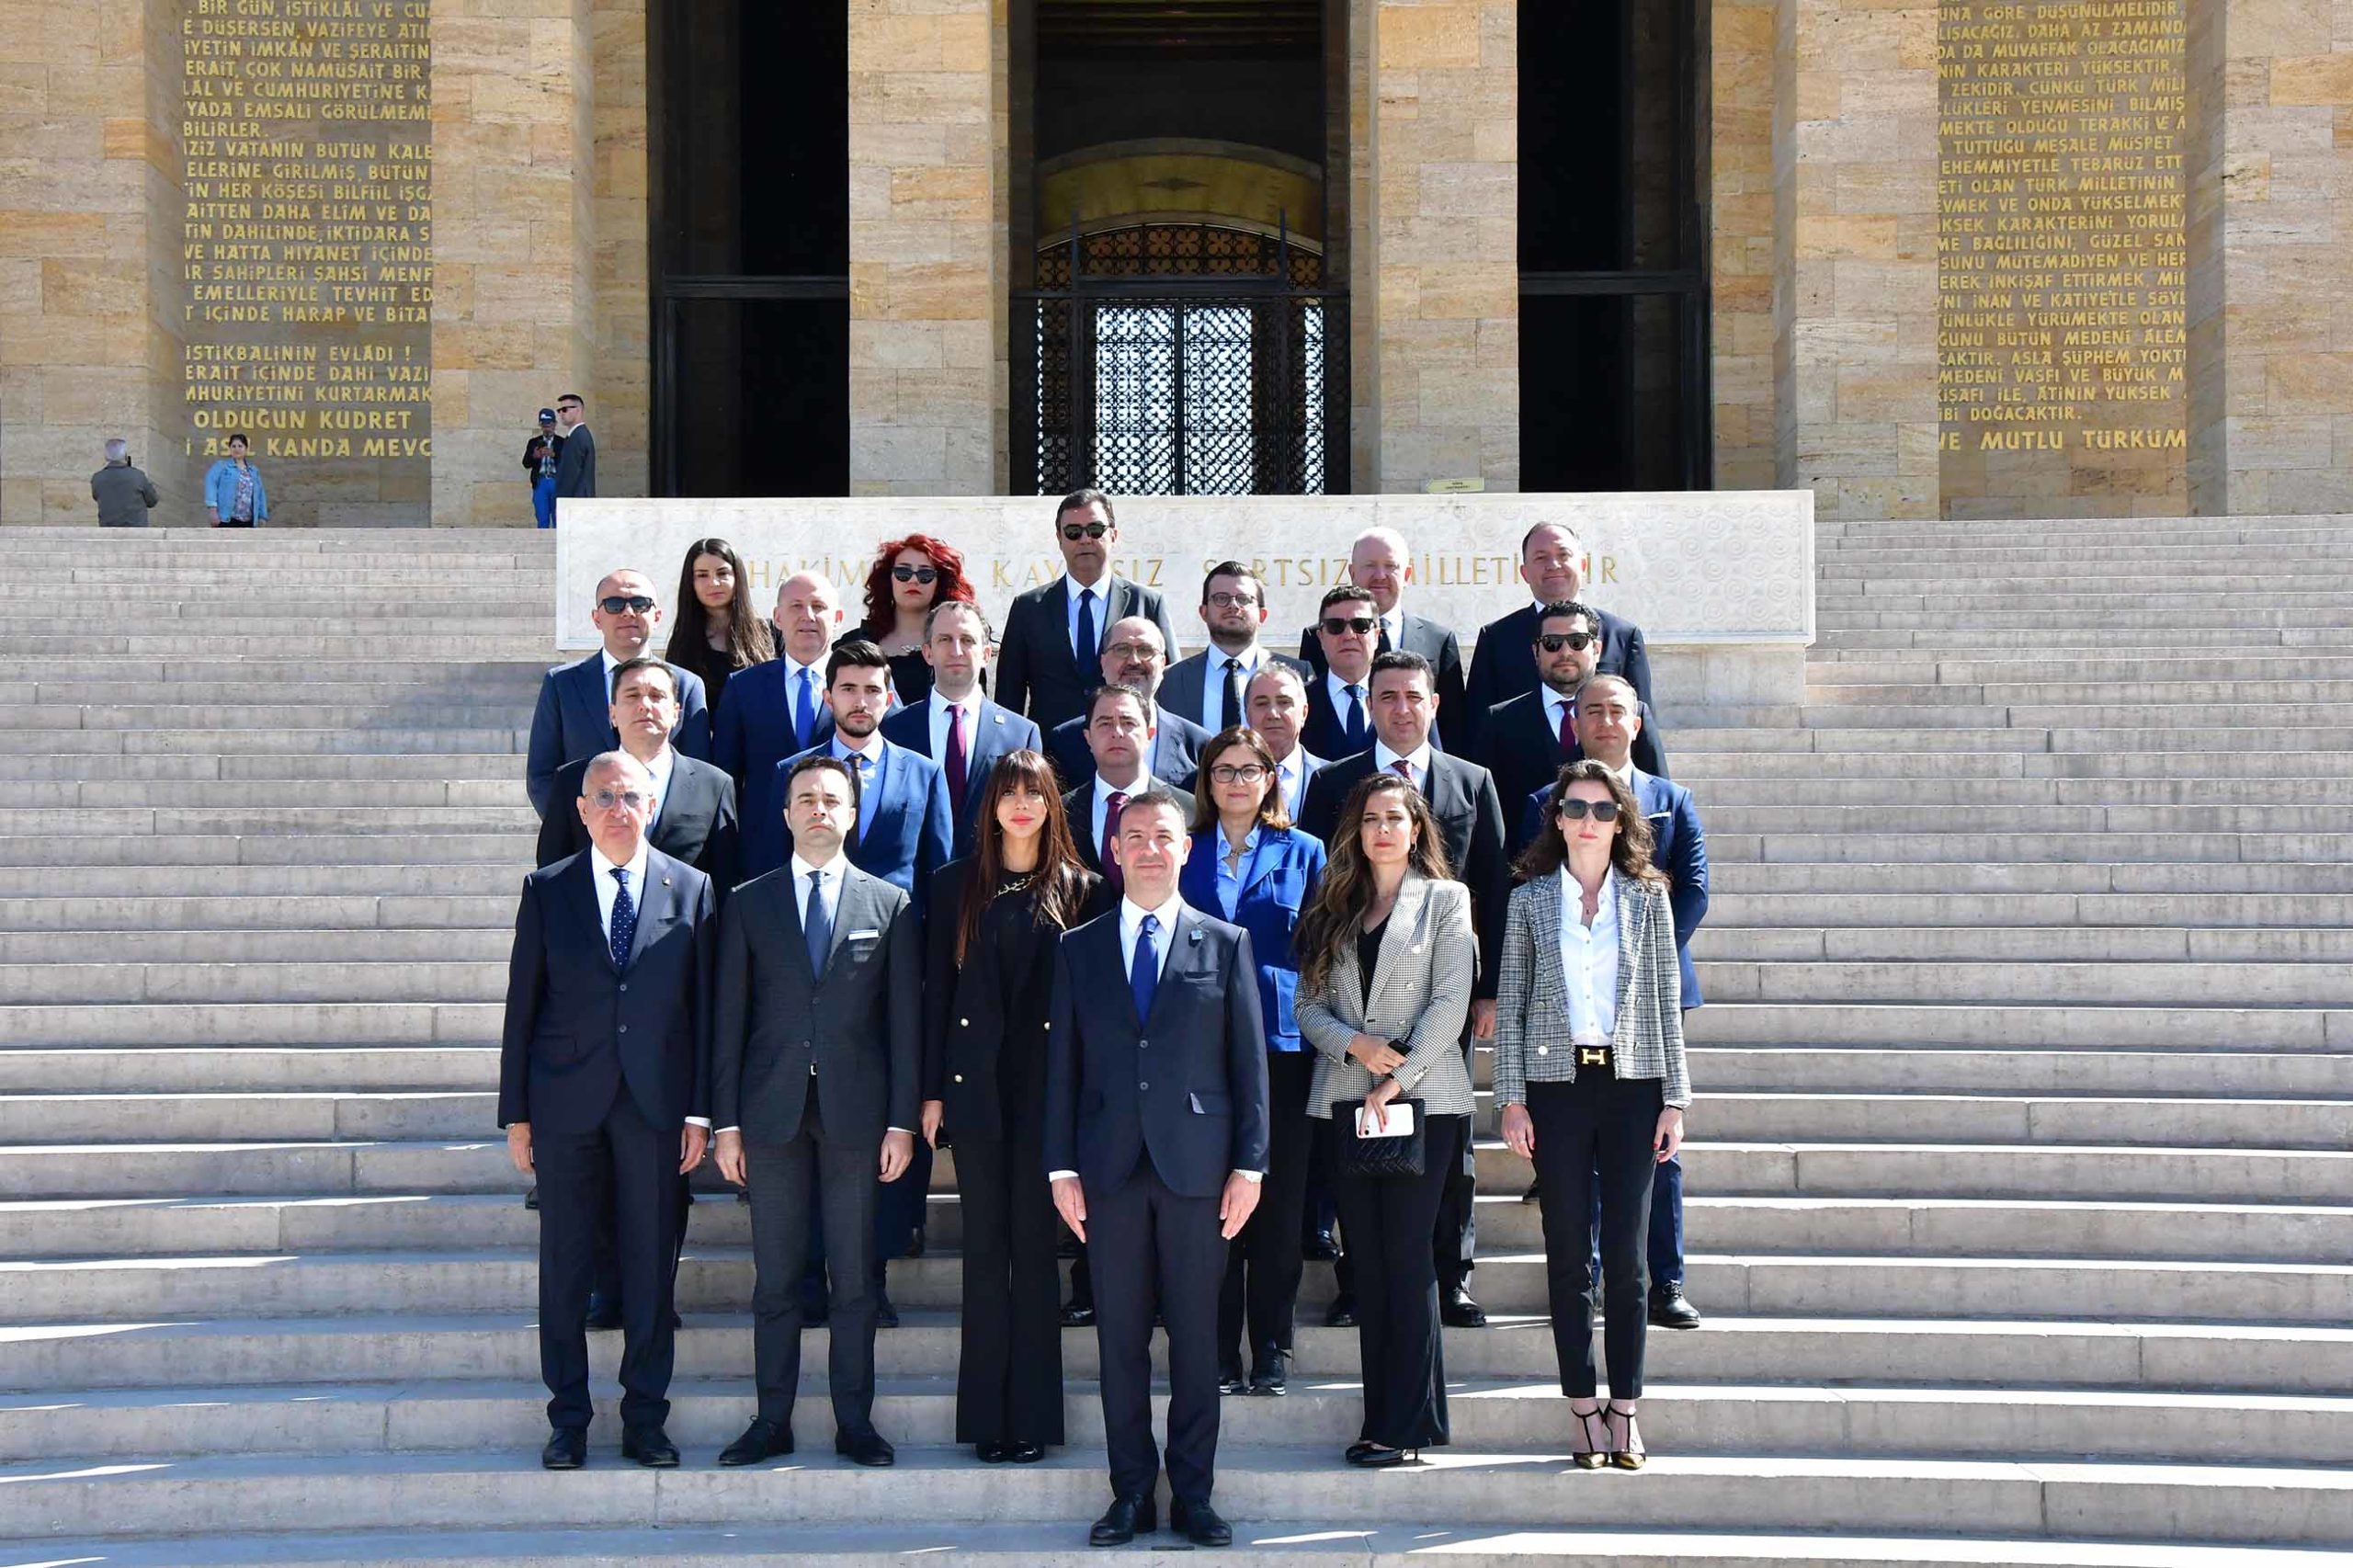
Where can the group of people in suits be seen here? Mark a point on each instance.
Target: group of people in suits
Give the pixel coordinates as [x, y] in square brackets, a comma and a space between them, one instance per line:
[1168, 977]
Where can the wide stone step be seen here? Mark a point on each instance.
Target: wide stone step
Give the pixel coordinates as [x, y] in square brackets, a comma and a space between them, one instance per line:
[320, 737]
[383, 667]
[195, 917]
[1726, 939]
[2153, 847]
[450, 691]
[249, 1023]
[411, 894]
[2005, 876]
[181, 1070]
[1839, 560]
[2084, 915]
[2070, 641]
[2154, 666]
[1921, 1069]
[2219, 1028]
[292, 711]
[1932, 819]
[132, 983]
[111, 770]
[2299, 723]
[2251, 1504]
[1714, 795]
[528, 643]
[214, 945]
[1706, 770]
[1957, 625]
[2014, 981]
[230, 842]
[2057, 692]
[2016, 737]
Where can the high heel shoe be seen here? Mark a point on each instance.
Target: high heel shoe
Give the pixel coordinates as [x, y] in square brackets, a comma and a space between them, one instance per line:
[1590, 1455]
[1626, 1453]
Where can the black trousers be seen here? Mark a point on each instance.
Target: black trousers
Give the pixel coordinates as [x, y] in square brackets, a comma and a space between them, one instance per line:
[1596, 1134]
[630, 1167]
[813, 1168]
[1388, 1219]
[1454, 1231]
[609, 1261]
[1264, 1263]
[1009, 1371]
[1152, 1247]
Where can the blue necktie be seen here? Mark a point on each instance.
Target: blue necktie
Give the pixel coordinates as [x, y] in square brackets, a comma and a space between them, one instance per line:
[804, 714]
[624, 919]
[818, 923]
[1144, 976]
[1356, 738]
[1083, 647]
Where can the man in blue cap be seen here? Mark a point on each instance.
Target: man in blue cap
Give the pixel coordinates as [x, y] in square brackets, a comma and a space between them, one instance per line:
[539, 467]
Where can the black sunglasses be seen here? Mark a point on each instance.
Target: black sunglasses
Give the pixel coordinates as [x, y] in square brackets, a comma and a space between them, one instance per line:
[635, 604]
[1334, 626]
[915, 574]
[1086, 531]
[1602, 811]
[1574, 641]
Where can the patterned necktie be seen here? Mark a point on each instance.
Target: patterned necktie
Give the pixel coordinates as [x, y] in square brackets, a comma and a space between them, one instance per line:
[818, 922]
[805, 713]
[1112, 804]
[959, 766]
[624, 919]
[1232, 713]
[1356, 738]
[1083, 646]
[1143, 975]
[1403, 769]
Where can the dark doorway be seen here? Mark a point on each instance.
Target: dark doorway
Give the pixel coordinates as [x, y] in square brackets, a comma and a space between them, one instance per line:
[749, 116]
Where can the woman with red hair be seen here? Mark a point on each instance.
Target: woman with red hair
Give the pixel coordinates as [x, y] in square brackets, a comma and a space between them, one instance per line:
[910, 576]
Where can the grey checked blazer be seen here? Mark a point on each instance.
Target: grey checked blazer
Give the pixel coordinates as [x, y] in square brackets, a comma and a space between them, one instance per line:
[1428, 957]
[1531, 996]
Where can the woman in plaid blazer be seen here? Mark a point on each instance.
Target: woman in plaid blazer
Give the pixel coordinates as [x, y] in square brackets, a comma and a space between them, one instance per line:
[1590, 1076]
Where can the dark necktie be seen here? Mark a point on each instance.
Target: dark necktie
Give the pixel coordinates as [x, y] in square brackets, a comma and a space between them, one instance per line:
[818, 923]
[1111, 807]
[1405, 770]
[1355, 722]
[805, 713]
[624, 918]
[1568, 731]
[1083, 647]
[957, 766]
[1232, 715]
[1143, 975]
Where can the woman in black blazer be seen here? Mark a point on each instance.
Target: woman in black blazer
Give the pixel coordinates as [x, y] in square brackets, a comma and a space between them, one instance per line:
[996, 915]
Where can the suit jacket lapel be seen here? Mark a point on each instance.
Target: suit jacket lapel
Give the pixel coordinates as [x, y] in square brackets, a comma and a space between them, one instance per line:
[653, 902]
[1550, 982]
[582, 894]
[848, 909]
[1182, 958]
[588, 691]
[1630, 908]
[1261, 860]
[1403, 936]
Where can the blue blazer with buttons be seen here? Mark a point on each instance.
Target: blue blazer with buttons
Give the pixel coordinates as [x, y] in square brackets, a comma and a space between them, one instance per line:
[907, 837]
[1279, 880]
[752, 734]
[575, 721]
[1679, 847]
[997, 730]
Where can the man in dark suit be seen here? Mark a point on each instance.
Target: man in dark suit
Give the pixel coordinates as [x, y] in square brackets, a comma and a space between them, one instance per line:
[1054, 635]
[814, 1067]
[1462, 797]
[775, 709]
[1524, 742]
[573, 718]
[1339, 700]
[957, 726]
[1381, 564]
[603, 1076]
[1118, 739]
[1551, 562]
[1133, 655]
[1156, 1139]
[694, 801]
[575, 453]
[1208, 688]
[1277, 706]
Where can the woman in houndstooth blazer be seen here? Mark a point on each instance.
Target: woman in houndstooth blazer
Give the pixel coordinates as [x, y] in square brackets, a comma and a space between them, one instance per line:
[1591, 1077]
[1386, 960]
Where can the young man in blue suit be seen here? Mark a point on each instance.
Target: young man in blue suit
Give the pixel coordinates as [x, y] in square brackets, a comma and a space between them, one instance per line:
[574, 720]
[1157, 1129]
[957, 726]
[778, 709]
[1054, 635]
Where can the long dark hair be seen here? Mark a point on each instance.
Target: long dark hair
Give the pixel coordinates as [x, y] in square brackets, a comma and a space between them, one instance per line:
[1630, 851]
[882, 611]
[1272, 813]
[1061, 879]
[1332, 921]
[748, 638]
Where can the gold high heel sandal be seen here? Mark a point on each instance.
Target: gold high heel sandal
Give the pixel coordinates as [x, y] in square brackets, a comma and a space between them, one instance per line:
[1590, 1455]
[1629, 1454]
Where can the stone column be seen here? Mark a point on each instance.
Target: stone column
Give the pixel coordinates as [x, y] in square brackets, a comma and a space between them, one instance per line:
[1740, 234]
[928, 125]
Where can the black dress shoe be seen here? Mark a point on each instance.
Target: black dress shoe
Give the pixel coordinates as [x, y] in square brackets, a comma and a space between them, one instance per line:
[1024, 1453]
[1343, 1312]
[1271, 1376]
[990, 1452]
[1067, 1245]
[1377, 1456]
[1076, 1316]
[1669, 1310]
[650, 1446]
[604, 1313]
[531, 1198]
[1456, 1309]
[1122, 1520]
[1231, 1381]
[763, 1439]
[916, 1244]
[743, 1195]
[1533, 1195]
[1321, 1247]
[1199, 1523]
[885, 1314]
[567, 1449]
[865, 1447]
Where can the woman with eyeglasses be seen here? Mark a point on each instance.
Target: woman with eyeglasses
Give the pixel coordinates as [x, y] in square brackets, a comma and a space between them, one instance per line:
[910, 576]
[1250, 867]
[718, 630]
[996, 915]
[1387, 957]
[1590, 1076]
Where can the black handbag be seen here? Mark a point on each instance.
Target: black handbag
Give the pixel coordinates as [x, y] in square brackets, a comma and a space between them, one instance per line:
[1400, 1154]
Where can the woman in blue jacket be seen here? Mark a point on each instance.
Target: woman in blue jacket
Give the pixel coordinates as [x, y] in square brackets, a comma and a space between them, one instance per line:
[1249, 866]
[232, 489]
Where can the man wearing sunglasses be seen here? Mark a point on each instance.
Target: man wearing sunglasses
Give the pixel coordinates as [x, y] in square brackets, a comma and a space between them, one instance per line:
[1339, 700]
[1551, 562]
[1054, 635]
[1382, 564]
[574, 717]
[576, 453]
[1525, 740]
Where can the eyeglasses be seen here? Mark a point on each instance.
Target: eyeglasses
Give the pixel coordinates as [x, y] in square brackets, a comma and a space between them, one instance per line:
[1241, 773]
[1144, 650]
[1362, 625]
[1601, 810]
[1084, 530]
[914, 574]
[634, 604]
[1234, 601]
[605, 799]
[1574, 641]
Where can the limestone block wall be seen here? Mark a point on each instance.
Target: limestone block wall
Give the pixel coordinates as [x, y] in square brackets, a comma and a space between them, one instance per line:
[1741, 251]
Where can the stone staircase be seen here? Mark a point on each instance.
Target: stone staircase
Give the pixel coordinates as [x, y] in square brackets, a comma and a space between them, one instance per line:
[2021, 1194]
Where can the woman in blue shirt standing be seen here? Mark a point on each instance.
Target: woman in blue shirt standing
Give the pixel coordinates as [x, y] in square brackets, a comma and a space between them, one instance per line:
[232, 489]
[1249, 866]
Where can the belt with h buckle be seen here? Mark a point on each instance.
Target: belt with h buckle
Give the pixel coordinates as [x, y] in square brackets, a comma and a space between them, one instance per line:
[1593, 1053]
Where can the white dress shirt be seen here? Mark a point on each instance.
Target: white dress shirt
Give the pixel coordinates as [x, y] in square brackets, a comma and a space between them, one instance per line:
[944, 713]
[1419, 760]
[609, 893]
[1292, 771]
[1556, 703]
[664, 764]
[1589, 959]
[1101, 804]
[876, 760]
[1131, 914]
[1212, 714]
[1072, 588]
